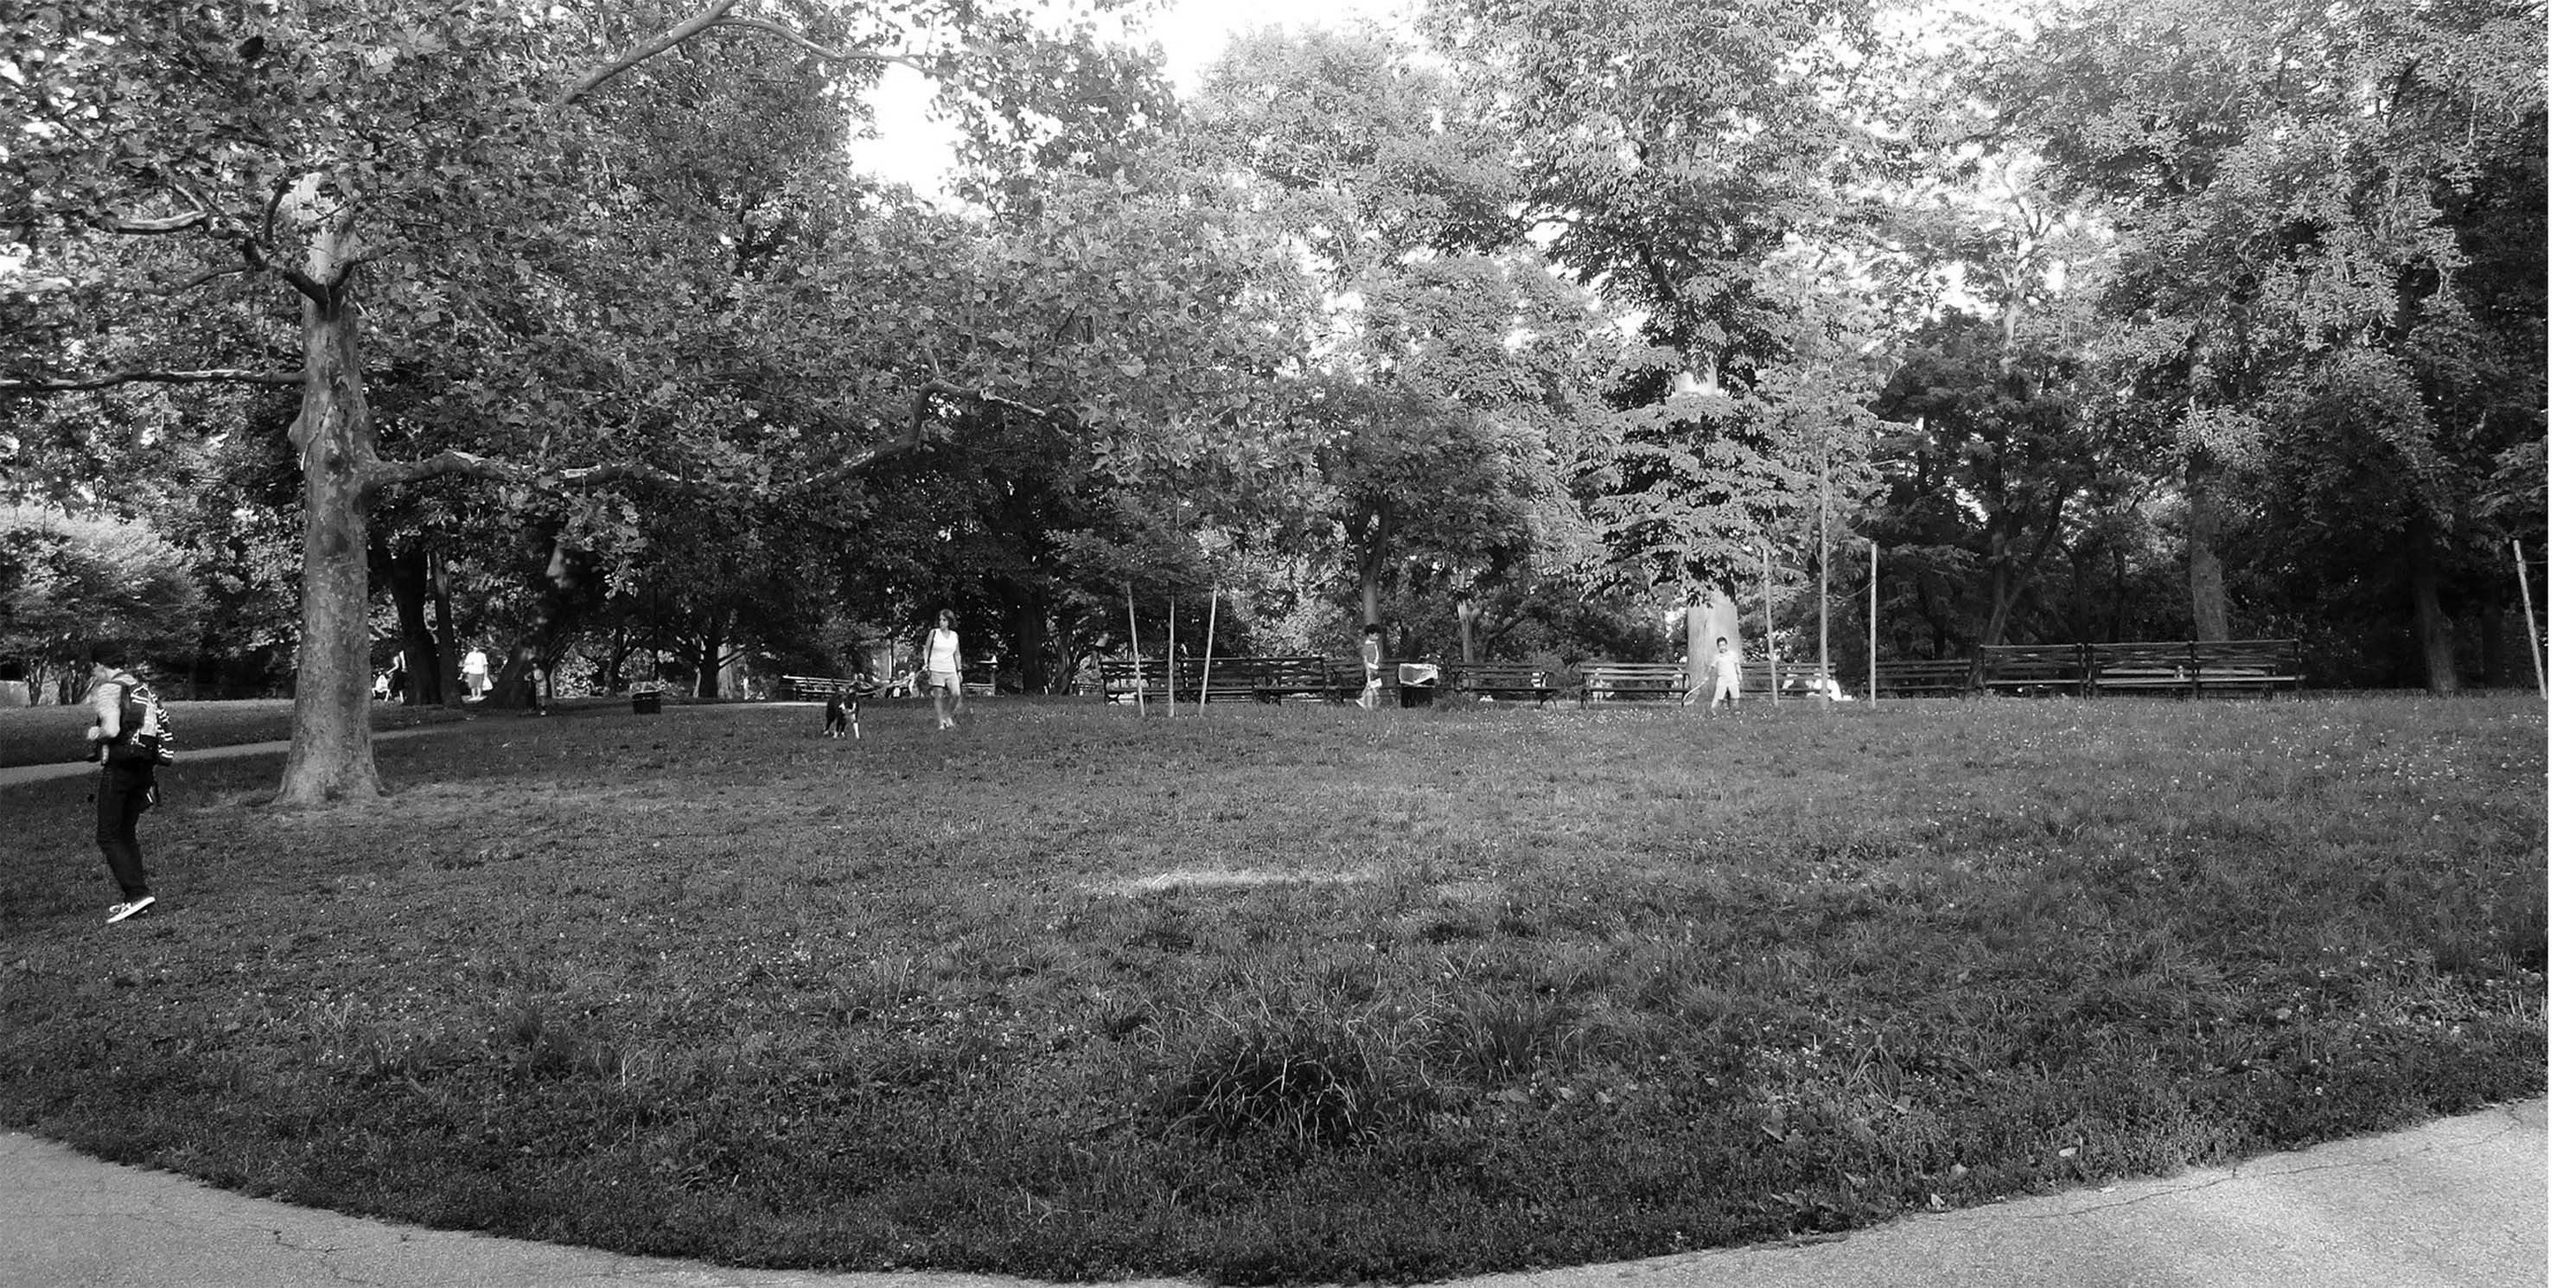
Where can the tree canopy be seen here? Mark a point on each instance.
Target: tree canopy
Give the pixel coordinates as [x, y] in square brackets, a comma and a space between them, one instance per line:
[569, 325]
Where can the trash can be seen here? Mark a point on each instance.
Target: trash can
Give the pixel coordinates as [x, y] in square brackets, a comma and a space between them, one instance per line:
[1419, 683]
[648, 702]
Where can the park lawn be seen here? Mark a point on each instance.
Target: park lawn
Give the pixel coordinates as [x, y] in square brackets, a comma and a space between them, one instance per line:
[1295, 993]
[52, 734]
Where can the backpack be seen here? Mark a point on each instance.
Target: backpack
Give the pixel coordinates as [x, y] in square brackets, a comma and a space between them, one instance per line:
[144, 736]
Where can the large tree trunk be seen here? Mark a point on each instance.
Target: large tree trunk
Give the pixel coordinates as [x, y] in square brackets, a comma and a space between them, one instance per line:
[2208, 577]
[1372, 566]
[407, 577]
[2432, 625]
[1703, 625]
[451, 660]
[1029, 629]
[332, 756]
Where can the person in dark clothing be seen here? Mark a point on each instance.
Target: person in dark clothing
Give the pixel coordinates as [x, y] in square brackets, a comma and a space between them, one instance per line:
[125, 738]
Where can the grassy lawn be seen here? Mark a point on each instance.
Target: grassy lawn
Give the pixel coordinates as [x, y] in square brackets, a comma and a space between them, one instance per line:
[50, 735]
[1300, 993]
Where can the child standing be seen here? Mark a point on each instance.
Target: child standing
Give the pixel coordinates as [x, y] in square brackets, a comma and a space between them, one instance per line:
[1726, 673]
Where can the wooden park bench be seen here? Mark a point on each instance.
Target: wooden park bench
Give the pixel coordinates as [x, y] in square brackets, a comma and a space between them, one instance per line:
[1943, 677]
[806, 688]
[1520, 681]
[1134, 679]
[1794, 679]
[2142, 668]
[1614, 681]
[2245, 666]
[2033, 668]
[1226, 679]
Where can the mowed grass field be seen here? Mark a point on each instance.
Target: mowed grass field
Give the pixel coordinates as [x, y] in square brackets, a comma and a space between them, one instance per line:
[1293, 993]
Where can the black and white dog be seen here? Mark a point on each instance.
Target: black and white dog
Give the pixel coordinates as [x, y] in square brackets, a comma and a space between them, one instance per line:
[836, 714]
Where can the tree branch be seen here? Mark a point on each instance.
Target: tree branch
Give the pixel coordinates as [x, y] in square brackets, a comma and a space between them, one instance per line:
[153, 227]
[304, 286]
[619, 65]
[453, 463]
[786, 33]
[210, 376]
[205, 277]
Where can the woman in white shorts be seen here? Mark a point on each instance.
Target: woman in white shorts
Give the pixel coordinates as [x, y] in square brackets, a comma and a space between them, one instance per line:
[939, 670]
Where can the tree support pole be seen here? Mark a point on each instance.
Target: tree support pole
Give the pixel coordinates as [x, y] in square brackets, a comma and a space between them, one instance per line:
[1770, 636]
[1824, 569]
[1873, 625]
[2530, 621]
[1207, 661]
[1171, 659]
[1136, 649]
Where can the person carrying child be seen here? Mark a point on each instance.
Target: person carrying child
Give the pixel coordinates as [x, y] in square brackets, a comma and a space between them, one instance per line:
[129, 737]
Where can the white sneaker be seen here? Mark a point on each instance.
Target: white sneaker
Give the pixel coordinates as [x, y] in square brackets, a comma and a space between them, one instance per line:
[117, 912]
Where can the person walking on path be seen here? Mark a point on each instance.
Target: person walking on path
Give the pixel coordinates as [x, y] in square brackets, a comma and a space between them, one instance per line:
[478, 673]
[940, 667]
[125, 737]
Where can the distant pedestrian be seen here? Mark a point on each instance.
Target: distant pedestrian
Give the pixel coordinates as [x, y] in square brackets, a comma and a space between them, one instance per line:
[940, 671]
[127, 736]
[478, 673]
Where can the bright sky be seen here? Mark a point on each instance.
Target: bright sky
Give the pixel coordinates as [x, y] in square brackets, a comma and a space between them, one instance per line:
[914, 149]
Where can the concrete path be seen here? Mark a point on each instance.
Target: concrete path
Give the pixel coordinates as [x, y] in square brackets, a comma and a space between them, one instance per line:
[2458, 1203]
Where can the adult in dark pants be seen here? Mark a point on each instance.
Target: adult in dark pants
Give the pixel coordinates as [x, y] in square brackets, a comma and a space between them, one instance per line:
[123, 739]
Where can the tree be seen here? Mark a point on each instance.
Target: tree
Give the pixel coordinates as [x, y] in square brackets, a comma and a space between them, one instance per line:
[1691, 162]
[70, 587]
[321, 146]
[2297, 187]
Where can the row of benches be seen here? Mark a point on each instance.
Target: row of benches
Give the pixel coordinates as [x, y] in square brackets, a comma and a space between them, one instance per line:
[2181, 668]
[823, 688]
[1234, 679]
[2186, 668]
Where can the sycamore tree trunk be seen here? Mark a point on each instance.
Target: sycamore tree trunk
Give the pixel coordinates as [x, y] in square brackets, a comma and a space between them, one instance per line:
[1372, 566]
[450, 661]
[407, 577]
[1703, 625]
[2207, 577]
[332, 755]
[2432, 625]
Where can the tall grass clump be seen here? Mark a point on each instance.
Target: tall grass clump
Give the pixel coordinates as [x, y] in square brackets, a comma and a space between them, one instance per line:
[1290, 993]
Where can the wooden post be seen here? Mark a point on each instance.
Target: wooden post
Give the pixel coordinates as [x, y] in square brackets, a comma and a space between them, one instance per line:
[1172, 659]
[1824, 568]
[1207, 662]
[1136, 649]
[1770, 635]
[2530, 622]
[1873, 625]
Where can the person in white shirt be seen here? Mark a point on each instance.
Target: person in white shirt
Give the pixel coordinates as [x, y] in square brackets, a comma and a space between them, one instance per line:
[478, 673]
[1726, 672]
[940, 671]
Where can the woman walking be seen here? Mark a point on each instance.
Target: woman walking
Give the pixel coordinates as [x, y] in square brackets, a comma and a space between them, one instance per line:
[940, 667]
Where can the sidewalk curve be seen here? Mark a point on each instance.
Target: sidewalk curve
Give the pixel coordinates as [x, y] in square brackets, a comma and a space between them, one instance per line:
[2455, 1203]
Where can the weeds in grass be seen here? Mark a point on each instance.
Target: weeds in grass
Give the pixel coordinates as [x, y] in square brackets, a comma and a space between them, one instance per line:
[1292, 993]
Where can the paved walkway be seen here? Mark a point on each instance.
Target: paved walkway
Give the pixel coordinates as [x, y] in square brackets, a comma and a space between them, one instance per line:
[2458, 1203]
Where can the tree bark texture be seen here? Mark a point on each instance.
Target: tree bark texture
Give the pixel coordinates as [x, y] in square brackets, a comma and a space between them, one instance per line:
[2432, 625]
[332, 756]
[1703, 625]
[2207, 576]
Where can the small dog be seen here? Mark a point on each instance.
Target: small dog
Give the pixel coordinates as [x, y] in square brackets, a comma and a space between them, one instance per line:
[836, 715]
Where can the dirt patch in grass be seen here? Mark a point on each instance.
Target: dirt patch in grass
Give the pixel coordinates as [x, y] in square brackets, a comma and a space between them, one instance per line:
[1302, 993]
